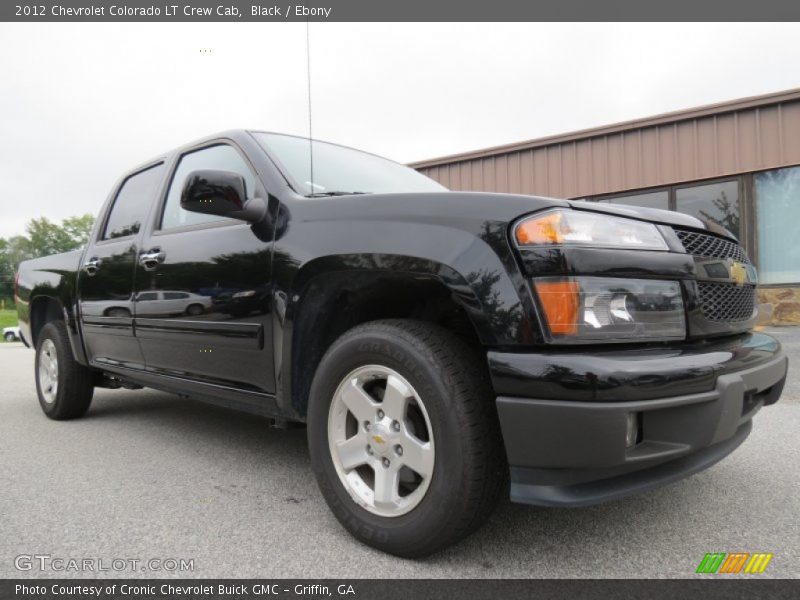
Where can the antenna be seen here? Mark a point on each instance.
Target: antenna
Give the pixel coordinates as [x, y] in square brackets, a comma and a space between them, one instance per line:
[308, 76]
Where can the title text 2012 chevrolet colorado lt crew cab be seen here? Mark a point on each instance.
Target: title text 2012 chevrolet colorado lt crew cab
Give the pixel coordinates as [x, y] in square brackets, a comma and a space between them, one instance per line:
[434, 342]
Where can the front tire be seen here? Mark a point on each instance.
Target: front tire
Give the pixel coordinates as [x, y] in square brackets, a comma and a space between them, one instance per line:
[10, 337]
[404, 438]
[63, 385]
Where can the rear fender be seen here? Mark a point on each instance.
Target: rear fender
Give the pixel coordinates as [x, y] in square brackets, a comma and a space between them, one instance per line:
[46, 295]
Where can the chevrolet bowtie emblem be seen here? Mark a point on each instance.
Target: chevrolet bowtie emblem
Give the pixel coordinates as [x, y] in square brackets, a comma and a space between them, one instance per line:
[378, 439]
[738, 273]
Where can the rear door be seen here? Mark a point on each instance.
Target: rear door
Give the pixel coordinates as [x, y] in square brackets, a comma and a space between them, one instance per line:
[203, 286]
[105, 281]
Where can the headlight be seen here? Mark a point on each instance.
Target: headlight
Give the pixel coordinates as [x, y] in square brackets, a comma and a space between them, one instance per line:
[246, 294]
[606, 309]
[574, 227]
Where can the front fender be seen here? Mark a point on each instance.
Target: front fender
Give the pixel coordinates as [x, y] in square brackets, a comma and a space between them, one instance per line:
[476, 265]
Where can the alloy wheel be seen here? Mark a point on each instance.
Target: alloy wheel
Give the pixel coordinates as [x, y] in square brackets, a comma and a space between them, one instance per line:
[381, 441]
[48, 371]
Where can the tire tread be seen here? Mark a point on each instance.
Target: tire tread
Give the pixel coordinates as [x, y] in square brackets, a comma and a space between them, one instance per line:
[464, 371]
[76, 387]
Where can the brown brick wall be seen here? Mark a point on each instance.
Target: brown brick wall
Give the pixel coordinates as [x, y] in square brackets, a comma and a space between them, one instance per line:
[779, 306]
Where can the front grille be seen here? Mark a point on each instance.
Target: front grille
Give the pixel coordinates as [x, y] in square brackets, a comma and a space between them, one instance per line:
[703, 244]
[727, 301]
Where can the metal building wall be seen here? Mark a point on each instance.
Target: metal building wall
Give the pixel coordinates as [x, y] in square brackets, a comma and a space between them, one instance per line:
[714, 141]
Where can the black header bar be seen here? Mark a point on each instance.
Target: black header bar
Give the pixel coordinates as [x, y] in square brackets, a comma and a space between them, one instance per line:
[406, 10]
[708, 588]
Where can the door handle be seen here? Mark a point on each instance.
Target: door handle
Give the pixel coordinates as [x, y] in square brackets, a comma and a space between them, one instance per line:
[90, 266]
[150, 259]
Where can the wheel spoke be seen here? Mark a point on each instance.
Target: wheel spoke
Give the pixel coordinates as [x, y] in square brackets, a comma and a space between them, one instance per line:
[418, 456]
[353, 452]
[358, 401]
[372, 459]
[48, 371]
[386, 487]
[395, 399]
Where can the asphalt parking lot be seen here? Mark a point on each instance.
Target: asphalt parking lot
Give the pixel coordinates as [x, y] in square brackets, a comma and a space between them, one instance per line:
[147, 475]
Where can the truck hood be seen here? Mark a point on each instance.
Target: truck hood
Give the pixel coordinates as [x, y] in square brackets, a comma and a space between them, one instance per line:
[656, 215]
[451, 207]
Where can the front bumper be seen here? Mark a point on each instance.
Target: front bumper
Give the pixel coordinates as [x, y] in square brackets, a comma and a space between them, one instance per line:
[564, 426]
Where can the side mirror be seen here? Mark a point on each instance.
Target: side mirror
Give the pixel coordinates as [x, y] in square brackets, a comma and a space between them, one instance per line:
[221, 193]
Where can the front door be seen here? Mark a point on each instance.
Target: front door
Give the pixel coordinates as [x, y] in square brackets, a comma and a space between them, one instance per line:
[203, 294]
[105, 281]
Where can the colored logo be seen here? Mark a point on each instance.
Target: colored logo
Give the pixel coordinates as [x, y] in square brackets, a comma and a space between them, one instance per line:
[738, 273]
[734, 562]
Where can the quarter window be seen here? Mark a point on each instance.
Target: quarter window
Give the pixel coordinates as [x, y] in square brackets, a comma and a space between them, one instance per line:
[222, 158]
[132, 203]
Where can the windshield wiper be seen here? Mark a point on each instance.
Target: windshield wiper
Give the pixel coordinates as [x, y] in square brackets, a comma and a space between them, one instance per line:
[333, 193]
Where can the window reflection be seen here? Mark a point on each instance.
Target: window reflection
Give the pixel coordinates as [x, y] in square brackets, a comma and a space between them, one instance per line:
[221, 157]
[659, 199]
[715, 202]
[132, 203]
[778, 205]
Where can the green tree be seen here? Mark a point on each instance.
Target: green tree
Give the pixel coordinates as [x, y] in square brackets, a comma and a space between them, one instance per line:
[47, 237]
[12, 252]
[6, 272]
[44, 237]
[78, 228]
[18, 248]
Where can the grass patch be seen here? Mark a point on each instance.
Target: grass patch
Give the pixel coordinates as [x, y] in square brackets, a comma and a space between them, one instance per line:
[8, 318]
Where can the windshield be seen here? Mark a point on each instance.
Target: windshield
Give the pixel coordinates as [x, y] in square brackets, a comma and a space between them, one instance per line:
[339, 170]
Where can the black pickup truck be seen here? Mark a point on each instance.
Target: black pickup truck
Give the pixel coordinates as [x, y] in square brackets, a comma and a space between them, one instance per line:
[436, 344]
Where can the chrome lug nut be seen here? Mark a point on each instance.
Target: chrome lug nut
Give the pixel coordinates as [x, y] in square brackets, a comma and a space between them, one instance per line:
[369, 449]
[367, 425]
[399, 450]
[386, 462]
[380, 413]
[396, 425]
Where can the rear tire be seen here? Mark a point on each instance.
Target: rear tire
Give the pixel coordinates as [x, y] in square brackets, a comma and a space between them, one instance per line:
[428, 365]
[10, 337]
[64, 387]
[195, 310]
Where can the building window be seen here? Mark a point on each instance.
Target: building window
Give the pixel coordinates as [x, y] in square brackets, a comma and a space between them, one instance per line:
[658, 199]
[778, 211]
[717, 202]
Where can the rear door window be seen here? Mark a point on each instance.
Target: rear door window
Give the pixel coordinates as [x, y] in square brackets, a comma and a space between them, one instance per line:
[132, 203]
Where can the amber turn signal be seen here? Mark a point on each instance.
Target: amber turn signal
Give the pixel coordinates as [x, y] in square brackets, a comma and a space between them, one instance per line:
[560, 301]
[560, 227]
[545, 229]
